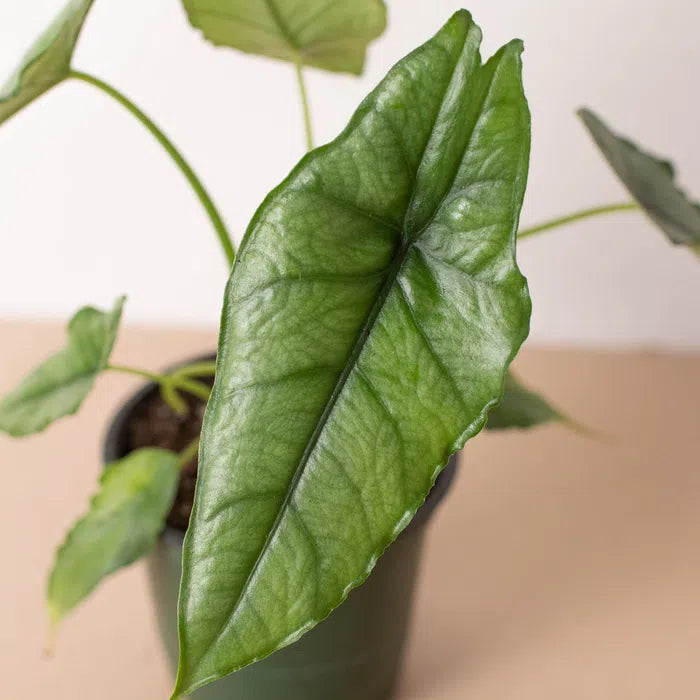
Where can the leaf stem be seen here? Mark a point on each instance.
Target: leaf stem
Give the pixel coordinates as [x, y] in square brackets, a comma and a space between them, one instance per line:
[577, 216]
[192, 386]
[197, 369]
[304, 103]
[177, 157]
[189, 453]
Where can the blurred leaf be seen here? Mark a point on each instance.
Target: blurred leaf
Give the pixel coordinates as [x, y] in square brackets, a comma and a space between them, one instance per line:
[368, 324]
[124, 519]
[651, 181]
[329, 34]
[520, 408]
[58, 386]
[48, 61]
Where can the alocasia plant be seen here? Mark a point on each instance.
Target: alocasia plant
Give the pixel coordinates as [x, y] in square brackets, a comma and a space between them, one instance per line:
[48, 61]
[58, 386]
[384, 265]
[125, 518]
[520, 408]
[651, 181]
[328, 34]
[368, 326]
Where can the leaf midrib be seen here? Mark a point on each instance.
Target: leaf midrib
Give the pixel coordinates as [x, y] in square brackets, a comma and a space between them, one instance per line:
[284, 29]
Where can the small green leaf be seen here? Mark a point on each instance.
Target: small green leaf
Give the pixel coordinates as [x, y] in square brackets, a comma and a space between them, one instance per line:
[520, 408]
[329, 34]
[58, 386]
[124, 519]
[368, 324]
[651, 181]
[48, 61]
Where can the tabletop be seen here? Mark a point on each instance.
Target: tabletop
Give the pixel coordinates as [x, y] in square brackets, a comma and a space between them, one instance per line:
[562, 565]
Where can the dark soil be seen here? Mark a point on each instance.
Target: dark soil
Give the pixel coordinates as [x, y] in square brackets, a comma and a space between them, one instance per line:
[155, 424]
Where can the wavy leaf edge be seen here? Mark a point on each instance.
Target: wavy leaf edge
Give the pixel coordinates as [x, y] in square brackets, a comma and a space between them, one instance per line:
[305, 55]
[181, 690]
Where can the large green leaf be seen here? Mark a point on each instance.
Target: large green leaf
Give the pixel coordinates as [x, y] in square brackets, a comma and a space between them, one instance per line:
[47, 62]
[58, 386]
[651, 181]
[330, 34]
[124, 519]
[520, 408]
[369, 320]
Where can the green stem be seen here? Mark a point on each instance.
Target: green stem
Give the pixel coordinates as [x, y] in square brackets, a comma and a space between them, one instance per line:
[577, 216]
[189, 453]
[192, 386]
[177, 157]
[197, 369]
[304, 104]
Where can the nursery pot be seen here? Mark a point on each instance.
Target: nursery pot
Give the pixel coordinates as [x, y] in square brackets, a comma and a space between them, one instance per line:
[354, 653]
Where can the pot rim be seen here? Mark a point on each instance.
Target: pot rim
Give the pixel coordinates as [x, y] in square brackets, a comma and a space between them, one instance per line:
[113, 448]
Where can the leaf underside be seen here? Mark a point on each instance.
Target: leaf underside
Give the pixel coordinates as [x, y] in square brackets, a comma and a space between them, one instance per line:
[124, 519]
[651, 181]
[58, 386]
[48, 61]
[371, 315]
[328, 34]
[520, 408]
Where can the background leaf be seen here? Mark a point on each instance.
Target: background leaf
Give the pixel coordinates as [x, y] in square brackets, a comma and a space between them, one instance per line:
[520, 408]
[47, 62]
[651, 181]
[125, 518]
[58, 386]
[329, 34]
[368, 323]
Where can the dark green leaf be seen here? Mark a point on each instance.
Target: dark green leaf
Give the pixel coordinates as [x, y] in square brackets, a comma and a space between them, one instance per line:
[520, 408]
[651, 181]
[124, 520]
[47, 62]
[329, 34]
[58, 386]
[368, 324]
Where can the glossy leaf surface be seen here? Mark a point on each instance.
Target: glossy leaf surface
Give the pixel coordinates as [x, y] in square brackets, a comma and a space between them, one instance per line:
[329, 34]
[47, 62]
[368, 323]
[651, 181]
[58, 386]
[520, 408]
[125, 517]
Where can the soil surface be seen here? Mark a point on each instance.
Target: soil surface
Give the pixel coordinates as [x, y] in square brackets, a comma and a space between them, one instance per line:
[155, 424]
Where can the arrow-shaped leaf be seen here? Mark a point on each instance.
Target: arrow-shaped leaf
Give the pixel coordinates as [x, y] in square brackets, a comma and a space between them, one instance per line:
[521, 408]
[329, 34]
[58, 386]
[651, 181]
[368, 324]
[48, 61]
[124, 519]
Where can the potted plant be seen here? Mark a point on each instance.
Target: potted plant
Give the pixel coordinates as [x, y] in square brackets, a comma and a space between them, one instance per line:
[371, 316]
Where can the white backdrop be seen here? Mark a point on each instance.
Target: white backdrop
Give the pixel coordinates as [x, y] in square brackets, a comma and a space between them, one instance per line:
[90, 207]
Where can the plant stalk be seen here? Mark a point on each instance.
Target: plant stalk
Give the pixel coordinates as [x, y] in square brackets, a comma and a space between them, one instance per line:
[304, 104]
[197, 369]
[182, 164]
[189, 453]
[577, 216]
[192, 386]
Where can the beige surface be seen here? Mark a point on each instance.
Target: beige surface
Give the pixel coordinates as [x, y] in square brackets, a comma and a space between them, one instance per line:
[560, 567]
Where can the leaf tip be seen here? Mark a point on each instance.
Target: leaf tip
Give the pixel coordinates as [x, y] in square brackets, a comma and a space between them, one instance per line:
[52, 631]
[586, 115]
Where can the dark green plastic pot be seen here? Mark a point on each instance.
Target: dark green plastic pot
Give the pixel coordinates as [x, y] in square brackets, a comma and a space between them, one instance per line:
[354, 653]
